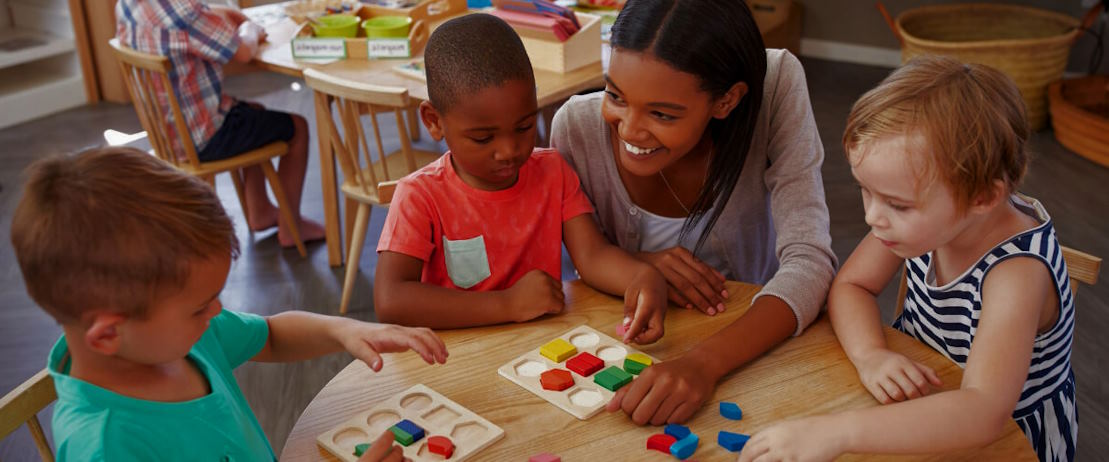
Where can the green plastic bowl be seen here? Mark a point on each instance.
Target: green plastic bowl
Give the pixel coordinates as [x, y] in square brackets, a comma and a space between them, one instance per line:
[336, 25]
[387, 26]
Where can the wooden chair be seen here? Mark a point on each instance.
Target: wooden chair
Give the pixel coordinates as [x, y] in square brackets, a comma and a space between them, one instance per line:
[364, 181]
[21, 406]
[1082, 267]
[140, 71]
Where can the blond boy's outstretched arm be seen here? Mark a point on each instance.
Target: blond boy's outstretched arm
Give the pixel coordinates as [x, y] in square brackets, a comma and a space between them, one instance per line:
[610, 269]
[299, 335]
[1014, 296]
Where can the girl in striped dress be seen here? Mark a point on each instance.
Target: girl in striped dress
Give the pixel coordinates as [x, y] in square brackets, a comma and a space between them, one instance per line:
[938, 150]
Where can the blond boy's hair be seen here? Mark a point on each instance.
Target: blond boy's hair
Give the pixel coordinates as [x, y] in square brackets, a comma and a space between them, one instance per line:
[113, 229]
[971, 116]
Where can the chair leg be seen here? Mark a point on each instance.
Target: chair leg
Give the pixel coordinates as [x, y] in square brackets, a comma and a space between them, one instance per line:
[283, 205]
[237, 180]
[414, 122]
[40, 439]
[358, 239]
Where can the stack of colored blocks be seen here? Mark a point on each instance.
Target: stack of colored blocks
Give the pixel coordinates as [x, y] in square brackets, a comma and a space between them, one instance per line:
[636, 362]
[405, 432]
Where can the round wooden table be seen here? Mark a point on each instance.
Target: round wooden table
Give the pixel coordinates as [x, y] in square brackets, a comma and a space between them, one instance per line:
[804, 376]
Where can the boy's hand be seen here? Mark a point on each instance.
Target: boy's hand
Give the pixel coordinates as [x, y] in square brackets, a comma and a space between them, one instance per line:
[808, 439]
[645, 307]
[666, 392]
[692, 283]
[366, 341]
[534, 295]
[892, 377]
[383, 450]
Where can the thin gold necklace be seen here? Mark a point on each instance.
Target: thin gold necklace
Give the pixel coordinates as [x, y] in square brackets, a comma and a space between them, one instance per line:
[672, 193]
[675, 194]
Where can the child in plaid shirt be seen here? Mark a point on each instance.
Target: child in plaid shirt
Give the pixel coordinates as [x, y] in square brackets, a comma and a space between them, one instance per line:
[198, 40]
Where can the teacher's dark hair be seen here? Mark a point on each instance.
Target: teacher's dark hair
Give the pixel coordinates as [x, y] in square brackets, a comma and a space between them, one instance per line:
[717, 41]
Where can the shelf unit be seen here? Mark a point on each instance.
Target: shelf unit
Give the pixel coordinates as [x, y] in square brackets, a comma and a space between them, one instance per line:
[40, 71]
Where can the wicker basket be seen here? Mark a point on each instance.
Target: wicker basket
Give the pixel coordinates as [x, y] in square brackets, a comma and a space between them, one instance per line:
[1029, 45]
[1080, 116]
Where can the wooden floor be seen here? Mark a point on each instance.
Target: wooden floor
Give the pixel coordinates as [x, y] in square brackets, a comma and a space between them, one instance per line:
[268, 280]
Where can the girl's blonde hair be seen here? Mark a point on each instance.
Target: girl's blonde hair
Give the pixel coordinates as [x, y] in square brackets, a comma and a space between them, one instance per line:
[971, 116]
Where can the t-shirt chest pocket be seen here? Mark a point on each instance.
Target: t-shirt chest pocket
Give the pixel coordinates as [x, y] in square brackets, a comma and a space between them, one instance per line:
[467, 262]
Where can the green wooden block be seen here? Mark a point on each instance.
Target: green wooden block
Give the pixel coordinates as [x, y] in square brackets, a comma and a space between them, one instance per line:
[633, 367]
[612, 378]
[401, 436]
[360, 449]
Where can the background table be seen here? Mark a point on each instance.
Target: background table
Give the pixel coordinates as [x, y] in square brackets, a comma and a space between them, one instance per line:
[276, 56]
[806, 375]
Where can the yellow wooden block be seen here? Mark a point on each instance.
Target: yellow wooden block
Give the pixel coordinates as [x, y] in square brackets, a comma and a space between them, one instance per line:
[640, 358]
[558, 350]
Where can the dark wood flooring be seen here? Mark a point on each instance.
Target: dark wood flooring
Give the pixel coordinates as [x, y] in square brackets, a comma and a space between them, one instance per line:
[267, 279]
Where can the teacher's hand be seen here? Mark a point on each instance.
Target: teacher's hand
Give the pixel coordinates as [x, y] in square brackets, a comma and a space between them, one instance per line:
[691, 283]
[668, 392]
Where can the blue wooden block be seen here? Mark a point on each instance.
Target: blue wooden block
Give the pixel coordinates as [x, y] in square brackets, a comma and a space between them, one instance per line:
[412, 429]
[732, 441]
[731, 411]
[685, 447]
[677, 431]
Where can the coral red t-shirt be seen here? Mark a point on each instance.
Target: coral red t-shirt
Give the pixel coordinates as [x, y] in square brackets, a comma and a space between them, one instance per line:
[484, 240]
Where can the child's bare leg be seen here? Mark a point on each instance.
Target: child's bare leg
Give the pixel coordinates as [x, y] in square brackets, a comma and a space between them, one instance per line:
[291, 170]
[261, 213]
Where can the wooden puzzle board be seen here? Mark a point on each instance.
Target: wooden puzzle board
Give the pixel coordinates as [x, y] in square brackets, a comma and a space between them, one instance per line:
[437, 414]
[585, 398]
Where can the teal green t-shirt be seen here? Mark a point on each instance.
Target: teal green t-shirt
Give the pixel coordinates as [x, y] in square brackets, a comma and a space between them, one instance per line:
[92, 423]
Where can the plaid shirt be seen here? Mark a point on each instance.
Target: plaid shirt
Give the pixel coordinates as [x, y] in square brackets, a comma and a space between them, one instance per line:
[198, 42]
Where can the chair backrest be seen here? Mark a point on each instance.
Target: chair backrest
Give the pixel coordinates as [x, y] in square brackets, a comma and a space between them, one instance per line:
[1081, 267]
[21, 405]
[146, 76]
[352, 99]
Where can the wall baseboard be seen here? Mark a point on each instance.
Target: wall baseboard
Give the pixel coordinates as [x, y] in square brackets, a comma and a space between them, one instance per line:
[851, 53]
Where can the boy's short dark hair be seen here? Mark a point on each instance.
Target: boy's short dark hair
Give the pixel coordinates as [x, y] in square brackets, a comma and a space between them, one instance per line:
[113, 228]
[470, 53]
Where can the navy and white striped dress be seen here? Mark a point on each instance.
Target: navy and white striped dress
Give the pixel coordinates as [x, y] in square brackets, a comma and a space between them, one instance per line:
[946, 318]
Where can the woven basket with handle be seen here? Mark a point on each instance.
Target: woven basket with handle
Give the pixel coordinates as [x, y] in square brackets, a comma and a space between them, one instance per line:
[1030, 45]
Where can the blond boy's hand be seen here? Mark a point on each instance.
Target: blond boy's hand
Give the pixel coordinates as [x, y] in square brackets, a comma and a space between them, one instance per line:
[891, 376]
[534, 295]
[366, 341]
[645, 307]
[383, 450]
[811, 439]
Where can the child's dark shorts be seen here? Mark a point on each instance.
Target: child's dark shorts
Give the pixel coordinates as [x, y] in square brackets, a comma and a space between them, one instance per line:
[247, 127]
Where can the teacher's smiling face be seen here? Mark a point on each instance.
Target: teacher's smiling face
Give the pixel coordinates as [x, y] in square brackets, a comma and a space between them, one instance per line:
[657, 114]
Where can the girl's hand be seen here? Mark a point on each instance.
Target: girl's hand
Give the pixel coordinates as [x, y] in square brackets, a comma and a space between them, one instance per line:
[645, 307]
[383, 450]
[892, 377]
[692, 283]
[668, 392]
[809, 439]
[366, 341]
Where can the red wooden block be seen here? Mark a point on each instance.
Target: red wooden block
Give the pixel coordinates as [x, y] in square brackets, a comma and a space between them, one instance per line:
[661, 442]
[585, 364]
[440, 445]
[556, 380]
